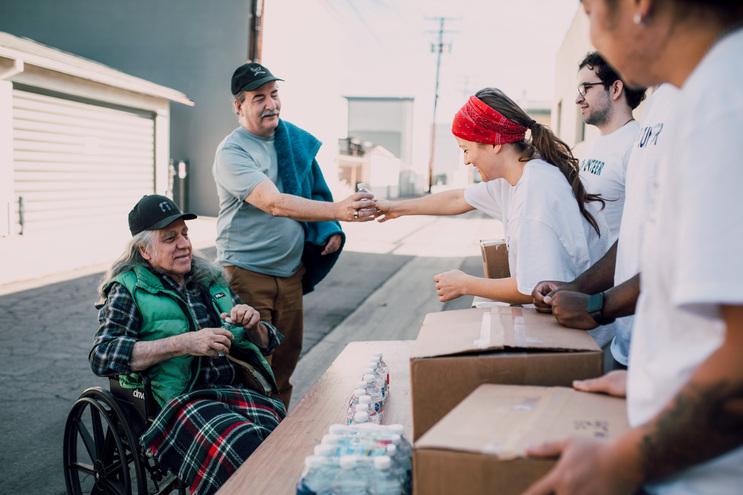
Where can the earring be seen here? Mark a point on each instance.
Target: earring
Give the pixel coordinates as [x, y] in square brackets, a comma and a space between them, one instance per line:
[638, 20]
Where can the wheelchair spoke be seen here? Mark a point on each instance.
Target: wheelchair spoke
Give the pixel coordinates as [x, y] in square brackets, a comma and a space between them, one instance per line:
[114, 487]
[87, 439]
[83, 468]
[95, 417]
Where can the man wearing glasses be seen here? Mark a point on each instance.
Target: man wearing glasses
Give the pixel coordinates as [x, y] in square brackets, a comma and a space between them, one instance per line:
[605, 102]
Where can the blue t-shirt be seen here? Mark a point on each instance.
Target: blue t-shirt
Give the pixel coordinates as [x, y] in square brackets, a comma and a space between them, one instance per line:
[247, 236]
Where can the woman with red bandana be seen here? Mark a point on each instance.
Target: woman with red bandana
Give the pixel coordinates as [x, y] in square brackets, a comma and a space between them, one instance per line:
[553, 228]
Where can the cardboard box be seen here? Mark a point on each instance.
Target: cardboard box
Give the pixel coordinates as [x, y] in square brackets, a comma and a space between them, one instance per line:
[456, 351]
[480, 446]
[495, 258]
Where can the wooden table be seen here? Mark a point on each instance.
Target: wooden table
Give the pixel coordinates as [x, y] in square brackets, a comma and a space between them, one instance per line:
[275, 467]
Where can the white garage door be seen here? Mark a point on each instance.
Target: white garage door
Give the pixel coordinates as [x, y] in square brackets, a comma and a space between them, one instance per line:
[77, 163]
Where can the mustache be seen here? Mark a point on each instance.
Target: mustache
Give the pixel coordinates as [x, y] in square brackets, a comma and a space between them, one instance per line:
[269, 113]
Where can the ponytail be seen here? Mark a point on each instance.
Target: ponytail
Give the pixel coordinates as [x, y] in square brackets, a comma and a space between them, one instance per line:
[545, 145]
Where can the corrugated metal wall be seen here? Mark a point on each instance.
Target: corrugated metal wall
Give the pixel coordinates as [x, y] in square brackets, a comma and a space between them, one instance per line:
[77, 163]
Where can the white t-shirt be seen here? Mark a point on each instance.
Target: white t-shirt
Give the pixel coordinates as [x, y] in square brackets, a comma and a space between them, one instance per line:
[603, 167]
[546, 235]
[640, 189]
[691, 262]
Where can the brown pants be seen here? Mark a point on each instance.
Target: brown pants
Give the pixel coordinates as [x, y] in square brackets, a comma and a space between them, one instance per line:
[279, 301]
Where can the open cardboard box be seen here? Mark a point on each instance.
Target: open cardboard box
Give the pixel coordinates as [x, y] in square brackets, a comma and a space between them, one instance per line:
[480, 446]
[456, 351]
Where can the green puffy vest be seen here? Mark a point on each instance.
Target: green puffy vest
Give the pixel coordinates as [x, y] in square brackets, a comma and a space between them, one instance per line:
[165, 314]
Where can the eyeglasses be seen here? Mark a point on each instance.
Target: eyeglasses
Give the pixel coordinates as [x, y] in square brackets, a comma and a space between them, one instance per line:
[583, 88]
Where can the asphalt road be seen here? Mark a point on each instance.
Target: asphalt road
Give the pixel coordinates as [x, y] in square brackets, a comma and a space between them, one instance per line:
[46, 333]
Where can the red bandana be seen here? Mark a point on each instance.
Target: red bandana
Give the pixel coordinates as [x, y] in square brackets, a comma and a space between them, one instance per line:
[476, 121]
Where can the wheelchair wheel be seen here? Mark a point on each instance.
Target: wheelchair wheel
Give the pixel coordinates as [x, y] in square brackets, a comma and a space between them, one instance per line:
[101, 452]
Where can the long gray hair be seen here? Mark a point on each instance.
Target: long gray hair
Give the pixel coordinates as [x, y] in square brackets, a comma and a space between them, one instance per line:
[204, 271]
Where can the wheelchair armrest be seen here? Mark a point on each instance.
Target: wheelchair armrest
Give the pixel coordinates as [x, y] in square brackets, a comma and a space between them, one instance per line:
[140, 399]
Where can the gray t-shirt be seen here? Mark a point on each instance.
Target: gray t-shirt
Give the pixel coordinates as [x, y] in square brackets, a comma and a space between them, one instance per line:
[247, 236]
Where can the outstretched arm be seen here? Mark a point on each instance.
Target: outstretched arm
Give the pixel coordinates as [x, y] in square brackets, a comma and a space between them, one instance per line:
[444, 203]
[268, 198]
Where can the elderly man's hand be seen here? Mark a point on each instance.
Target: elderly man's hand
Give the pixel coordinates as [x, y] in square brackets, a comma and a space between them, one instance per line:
[244, 316]
[249, 318]
[208, 342]
[358, 207]
[333, 244]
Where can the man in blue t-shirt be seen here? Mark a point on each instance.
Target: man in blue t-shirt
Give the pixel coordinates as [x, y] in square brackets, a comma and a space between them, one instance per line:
[277, 231]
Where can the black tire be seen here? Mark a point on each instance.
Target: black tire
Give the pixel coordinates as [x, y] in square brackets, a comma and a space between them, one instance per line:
[101, 452]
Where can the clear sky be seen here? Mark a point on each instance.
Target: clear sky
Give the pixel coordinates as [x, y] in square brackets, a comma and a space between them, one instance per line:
[510, 44]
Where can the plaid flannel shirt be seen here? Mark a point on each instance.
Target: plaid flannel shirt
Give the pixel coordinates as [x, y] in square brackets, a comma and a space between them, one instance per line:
[120, 322]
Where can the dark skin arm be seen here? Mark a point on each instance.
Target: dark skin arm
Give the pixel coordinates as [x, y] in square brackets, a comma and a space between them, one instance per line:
[570, 307]
[703, 421]
[598, 278]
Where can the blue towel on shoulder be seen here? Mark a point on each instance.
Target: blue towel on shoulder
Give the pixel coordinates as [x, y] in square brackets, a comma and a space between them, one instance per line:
[301, 176]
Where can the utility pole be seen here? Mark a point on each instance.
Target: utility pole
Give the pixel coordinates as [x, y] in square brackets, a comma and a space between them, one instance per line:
[255, 33]
[439, 48]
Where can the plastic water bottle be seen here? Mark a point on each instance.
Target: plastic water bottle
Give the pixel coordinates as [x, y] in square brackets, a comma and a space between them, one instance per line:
[365, 405]
[371, 369]
[227, 325]
[380, 374]
[404, 455]
[362, 187]
[383, 365]
[360, 417]
[373, 391]
[317, 476]
[357, 395]
[385, 481]
[354, 477]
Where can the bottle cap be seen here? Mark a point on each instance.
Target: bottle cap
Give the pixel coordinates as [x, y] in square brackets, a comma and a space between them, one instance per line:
[382, 462]
[396, 428]
[361, 384]
[365, 399]
[227, 319]
[331, 438]
[313, 461]
[324, 449]
[337, 429]
[358, 392]
[391, 449]
[361, 417]
[368, 378]
[368, 371]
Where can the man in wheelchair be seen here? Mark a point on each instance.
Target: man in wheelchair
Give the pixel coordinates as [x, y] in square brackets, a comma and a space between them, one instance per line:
[161, 313]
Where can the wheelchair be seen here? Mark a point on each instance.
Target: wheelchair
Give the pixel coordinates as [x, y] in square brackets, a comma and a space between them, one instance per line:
[101, 444]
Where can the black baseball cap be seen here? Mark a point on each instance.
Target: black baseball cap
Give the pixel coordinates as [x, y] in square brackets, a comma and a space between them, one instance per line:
[251, 76]
[154, 212]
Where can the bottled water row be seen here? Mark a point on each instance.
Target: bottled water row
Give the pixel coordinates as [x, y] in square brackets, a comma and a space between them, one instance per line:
[370, 394]
[363, 459]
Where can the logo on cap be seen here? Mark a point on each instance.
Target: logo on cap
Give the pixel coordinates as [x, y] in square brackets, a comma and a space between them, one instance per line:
[165, 206]
[257, 70]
